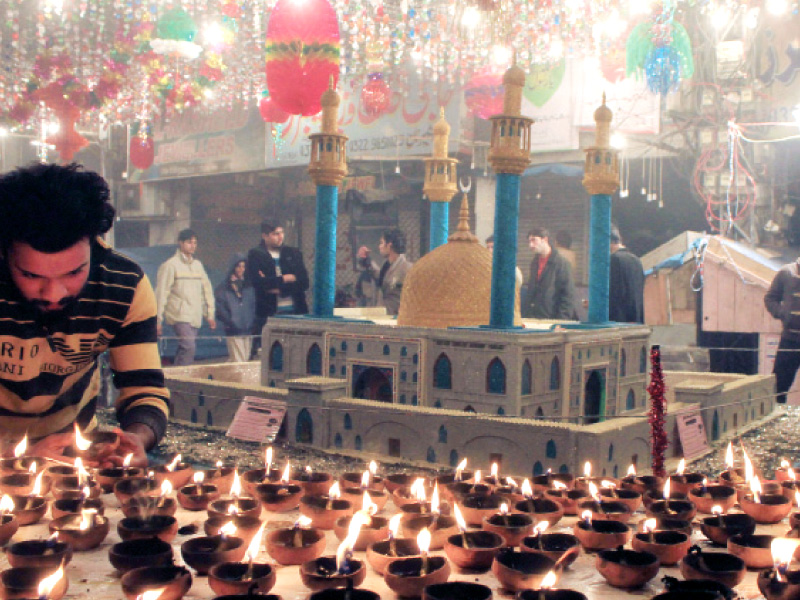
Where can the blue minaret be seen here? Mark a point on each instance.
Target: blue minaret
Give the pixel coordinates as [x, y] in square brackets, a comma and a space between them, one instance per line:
[509, 155]
[601, 179]
[440, 182]
[327, 168]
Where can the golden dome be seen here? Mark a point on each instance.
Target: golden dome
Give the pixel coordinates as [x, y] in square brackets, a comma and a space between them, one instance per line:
[451, 286]
[514, 76]
[603, 114]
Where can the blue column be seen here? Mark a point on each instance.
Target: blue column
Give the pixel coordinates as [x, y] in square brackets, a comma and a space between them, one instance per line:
[599, 257]
[325, 250]
[504, 258]
[440, 223]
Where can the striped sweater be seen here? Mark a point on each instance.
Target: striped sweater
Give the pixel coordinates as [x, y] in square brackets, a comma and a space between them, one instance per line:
[49, 376]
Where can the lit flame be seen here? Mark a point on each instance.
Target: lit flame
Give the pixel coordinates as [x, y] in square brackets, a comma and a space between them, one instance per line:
[462, 524]
[334, 493]
[268, 460]
[632, 470]
[608, 484]
[797, 498]
[424, 541]
[418, 490]
[755, 487]
[304, 521]
[559, 485]
[587, 516]
[6, 504]
[705, 481]
[37, 485]
[549, 581]
[477, 477]
[373, 467]
[150, 594]
[87, 518]
[228, 529]
[729, 456]
[493, 471]
[359, 520]
[126, 462]
[541, 527]
[716, 510]
[20, 448]
[236, 486]
[681, 466]
[218, 464]
[198, 477]
[666, 488]
[511, 483]
[783, 550]
[503, 508]
[308, 469]
[287, 473]
[367, 505]
[460, 469]
[435, 499]
[81, 443]
[166, 488]
[394, 524]
[749, 471]
[527, 490]
[83, 474]
[233, 510]
[593, 491]
[587, 469]
[790, 473]
[86, 491]
[365, 479]
[255, 544]
[174, 464]
[47, 584]
[649, 525]
[32, 468]
[785, 464]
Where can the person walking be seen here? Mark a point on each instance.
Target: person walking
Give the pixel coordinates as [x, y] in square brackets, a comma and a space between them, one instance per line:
[236, 310]
[184, 297]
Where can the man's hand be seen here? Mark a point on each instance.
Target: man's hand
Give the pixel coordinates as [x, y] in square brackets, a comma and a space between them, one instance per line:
[54, 446]
[289, 278]
[130, 442]
[363, 252]
[159, 329]
[212, 323]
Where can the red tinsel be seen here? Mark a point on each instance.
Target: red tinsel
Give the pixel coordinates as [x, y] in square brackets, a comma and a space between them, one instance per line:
[657, 415]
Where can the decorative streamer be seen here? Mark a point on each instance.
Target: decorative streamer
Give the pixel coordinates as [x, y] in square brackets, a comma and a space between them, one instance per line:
[659, 441]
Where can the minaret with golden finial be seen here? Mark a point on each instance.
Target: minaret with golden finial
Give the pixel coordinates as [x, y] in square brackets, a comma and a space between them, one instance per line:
[601, 179]
[440, 182]
[328, 167]
[509, 155]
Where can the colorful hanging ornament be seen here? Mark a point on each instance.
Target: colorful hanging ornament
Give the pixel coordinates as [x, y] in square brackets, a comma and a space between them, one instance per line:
[175, 33]
[270, 111]
[142, 149]
[376, 95]
[302, 54]
[483, 94]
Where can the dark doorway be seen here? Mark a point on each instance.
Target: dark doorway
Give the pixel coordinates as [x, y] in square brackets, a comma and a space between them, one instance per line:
[594, 398]
[373, 384]
[304, 428]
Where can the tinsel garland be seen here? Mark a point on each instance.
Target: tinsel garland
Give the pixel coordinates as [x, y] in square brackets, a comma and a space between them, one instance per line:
[657, 414]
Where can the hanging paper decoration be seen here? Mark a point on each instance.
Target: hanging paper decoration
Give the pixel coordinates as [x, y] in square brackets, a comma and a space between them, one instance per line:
[660, 48]
[175, 33]
[483, 94]
[376, 95]
[142, 148]
[270, 111]
[302, 54]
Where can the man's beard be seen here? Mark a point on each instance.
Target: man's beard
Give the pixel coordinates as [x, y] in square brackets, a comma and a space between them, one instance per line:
[49, 317]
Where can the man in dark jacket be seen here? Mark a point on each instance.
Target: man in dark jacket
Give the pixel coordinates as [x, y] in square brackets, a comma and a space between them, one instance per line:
[236, 309]
[279, 278]
[551, 291]
[783, 302]
[626, 283]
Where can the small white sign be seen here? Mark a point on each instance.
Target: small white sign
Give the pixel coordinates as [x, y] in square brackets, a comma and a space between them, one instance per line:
[692, 433]
[257, 420]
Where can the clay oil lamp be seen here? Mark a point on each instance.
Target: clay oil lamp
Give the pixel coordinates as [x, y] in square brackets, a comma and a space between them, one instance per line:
[220, 476]
[567, 498]
[96, 443]
[707, 496]
[81, 482]
[732, 475]
[640, 483]
[493, 479]
[779, 582]
[337, 571]
[297, 544]
[33, 582]
[695, 589]
[354, 494]
[754, 550]
[473, 550]
[235, 503]
[605, 510]
[179, 473]
[582, 483]
[20, 463]
[600, 535]
[156, 583]
[45, 554]
[132, 554]
[352, 479]
[790, 487]
[459, 475]
[346, 593]
[251, 478]
[722, 567]
[408, 577]
[279, 497]
[630, 498]
[197, 495]
[203, 552]
[416, 493]
[72, 503]
[563, 548]
[55, 472]
[682, 482]
[325, 510]
[458, 490]
[785, 472]
[373, 529]
[314, 483]
[720, 527]
[20, 483]
[163, 504]
[512, 490]
[458, 590]
[671, 508]
[511, 527]
[547, 591]
[398, 481]
[82, 532]
[420, 505]
[668, 546]
[475, 507]
[244, 577]
[163, 527]
[246, 526]
[517, 571]
[438, 525]
[381, 553]
[542, 483]
[8, 522]
[538, 508]
[764, 508]
[666, 524]
[107, 477]
[131, 487]
[627, 569]
[794, 518]
[29, 509]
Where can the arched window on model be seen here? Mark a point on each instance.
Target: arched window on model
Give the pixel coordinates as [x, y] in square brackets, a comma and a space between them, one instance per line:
[550, 449]
[314, 360]
[630, 400]
[442, 373]
[276, 357]
[496, 377]
[442, 434]
[623, 363]
[555, 374]
[526, 386]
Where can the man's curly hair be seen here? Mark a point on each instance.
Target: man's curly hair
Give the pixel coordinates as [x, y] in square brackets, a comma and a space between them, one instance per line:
[52, 207]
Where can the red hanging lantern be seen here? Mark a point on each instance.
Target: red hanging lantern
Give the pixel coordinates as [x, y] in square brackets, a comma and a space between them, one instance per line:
[270, 112]
[142, 152]
[302, 54]
[376, 95]
[483, 94]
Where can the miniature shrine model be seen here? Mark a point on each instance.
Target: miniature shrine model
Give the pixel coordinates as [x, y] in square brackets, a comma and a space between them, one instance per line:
[458, 373]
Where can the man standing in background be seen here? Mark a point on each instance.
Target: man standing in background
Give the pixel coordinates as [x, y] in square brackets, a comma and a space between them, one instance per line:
[626, 283]
[279, 278]
[551, 290]
[184, 297]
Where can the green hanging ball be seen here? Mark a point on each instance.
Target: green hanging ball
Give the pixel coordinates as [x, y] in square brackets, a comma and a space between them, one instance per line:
[176, 24]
